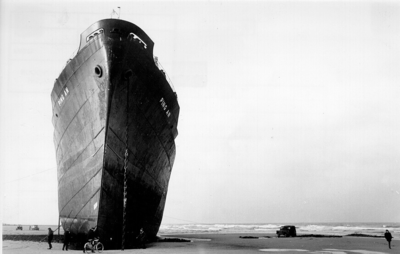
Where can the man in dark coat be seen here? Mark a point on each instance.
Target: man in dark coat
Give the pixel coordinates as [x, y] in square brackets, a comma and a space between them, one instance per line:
[50, 238]
[92, 235]
[388, 237]
[66, 239]
[141, 239]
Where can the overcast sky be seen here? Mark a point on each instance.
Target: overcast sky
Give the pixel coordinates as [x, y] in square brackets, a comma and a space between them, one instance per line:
[289, 110]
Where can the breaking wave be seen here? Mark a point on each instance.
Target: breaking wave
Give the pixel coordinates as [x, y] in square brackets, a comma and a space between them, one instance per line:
[270, 228]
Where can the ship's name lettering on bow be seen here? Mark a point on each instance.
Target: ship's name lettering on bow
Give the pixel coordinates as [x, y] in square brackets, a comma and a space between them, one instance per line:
[165, 107]
[63, 96]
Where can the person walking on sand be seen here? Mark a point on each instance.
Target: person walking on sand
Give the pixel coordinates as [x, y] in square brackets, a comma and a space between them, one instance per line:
[50, 238]
[388, 237]
[66, 240]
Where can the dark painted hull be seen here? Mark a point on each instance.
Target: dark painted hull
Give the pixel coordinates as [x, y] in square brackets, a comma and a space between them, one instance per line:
[112, 98]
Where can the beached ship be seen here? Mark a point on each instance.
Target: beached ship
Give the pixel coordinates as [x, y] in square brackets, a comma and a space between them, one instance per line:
[115, 117]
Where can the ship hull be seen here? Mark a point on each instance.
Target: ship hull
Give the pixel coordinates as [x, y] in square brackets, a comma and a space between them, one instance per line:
[115, 118]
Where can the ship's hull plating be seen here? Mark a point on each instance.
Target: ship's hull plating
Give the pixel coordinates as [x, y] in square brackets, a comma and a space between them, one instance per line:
[113, 109]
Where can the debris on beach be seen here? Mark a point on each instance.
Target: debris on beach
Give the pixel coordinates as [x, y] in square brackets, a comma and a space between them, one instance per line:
[168, 239]
[254, 237]
[324, 236]
[364, 235]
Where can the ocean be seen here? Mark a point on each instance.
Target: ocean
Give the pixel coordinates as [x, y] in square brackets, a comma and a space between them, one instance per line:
[376, 229]
[342, 229]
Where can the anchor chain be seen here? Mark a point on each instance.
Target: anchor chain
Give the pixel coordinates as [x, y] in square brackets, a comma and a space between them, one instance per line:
[125, 167]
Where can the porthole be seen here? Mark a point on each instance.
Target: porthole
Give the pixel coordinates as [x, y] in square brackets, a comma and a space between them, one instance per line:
[128, 74]
[98, 71]
[115, 30]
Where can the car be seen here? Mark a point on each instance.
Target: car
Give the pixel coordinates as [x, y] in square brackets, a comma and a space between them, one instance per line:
[34, 227]
[287, 231]
[19, 227]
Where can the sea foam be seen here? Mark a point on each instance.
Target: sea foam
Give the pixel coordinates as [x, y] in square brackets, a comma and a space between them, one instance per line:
[271, 228]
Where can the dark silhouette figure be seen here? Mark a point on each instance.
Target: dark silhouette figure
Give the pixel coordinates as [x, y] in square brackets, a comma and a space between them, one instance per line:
[388, 237]
[92, 235]
[141, 239]
[50, 238]
[67, 238]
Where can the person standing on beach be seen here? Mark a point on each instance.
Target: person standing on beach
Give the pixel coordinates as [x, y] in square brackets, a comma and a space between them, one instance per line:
[50, 238]
[141, 239]
[92, 235]
[388, 237]
[66, 240]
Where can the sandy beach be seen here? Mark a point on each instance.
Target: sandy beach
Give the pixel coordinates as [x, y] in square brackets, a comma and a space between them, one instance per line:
[234, 243]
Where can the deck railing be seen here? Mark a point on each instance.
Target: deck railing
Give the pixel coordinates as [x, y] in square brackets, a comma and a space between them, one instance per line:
[161, 68]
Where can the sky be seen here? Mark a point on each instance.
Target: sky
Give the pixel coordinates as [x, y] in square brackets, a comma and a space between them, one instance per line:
[289, 109]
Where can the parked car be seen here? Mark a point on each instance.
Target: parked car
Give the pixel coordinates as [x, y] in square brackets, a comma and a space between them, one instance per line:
[287, 231]
[34, 227]
[19, 227]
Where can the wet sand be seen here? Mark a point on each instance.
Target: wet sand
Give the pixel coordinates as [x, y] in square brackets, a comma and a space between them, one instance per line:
[233, 243]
